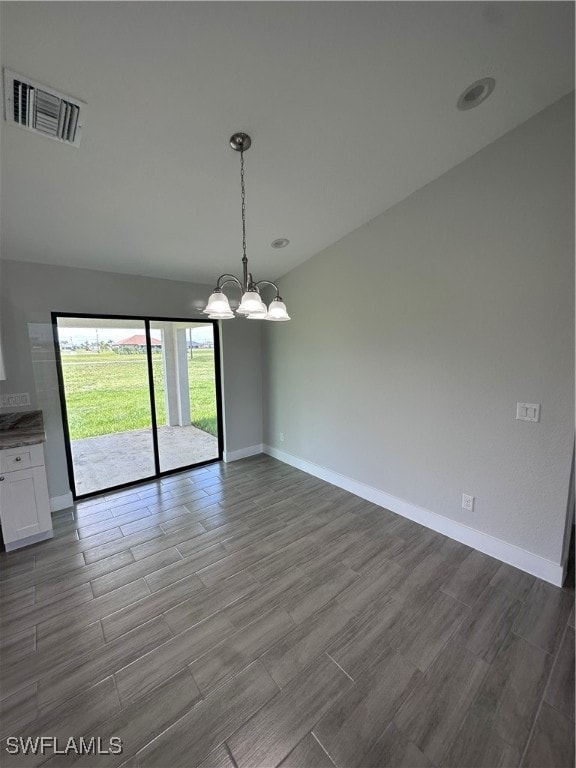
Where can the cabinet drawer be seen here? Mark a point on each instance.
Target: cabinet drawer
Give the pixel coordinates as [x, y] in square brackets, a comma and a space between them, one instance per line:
[21, 458]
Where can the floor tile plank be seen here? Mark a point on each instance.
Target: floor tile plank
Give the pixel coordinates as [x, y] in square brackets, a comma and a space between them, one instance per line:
[153, 546]
[134, 570]
[544, 615]
[18, 710]
[471, 577]
[198, 732]
[318, 591]
[432, 715]
[511, 580]
[560, 690]
[361, 642]
[370, 586]
[149, 670]
[83, 575]
[351, 728]
[394, 750]
[51, 655]
[129, 616]
[478, 745]
[488, 623]
[120, 543]
[91, 667]
[218, 758]
[513, 688]
[307, 754]
[552, 742]
[271, 734]
[424, 634]
[144, 719]
[209, 600]
[187, 566]
[13, 648]
[275, 592]
[239, 649]
[47, 611]
[304, 643]
[91, 609]
[78, 716]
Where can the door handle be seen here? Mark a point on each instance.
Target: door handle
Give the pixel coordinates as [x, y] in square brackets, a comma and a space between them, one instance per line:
[18, 458]
[1, 478]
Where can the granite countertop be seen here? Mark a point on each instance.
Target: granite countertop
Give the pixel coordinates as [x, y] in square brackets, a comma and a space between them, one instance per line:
[21, 428]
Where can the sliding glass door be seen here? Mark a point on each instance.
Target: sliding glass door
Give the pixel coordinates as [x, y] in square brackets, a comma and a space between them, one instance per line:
[185, 393]
[140, 397]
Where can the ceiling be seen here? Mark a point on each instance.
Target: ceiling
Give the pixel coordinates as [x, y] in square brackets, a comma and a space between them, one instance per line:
[351, 107]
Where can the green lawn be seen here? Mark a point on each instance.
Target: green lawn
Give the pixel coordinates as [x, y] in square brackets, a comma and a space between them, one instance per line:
[108, 392]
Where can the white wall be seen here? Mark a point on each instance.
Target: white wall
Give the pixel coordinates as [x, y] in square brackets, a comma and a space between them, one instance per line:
[413, 338]
[30, 292]
[242, 368]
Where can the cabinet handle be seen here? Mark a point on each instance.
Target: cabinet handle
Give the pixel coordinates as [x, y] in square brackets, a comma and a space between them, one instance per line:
[1, 478]
[18, 458]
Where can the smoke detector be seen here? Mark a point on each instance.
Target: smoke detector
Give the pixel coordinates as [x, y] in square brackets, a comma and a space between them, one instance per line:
[41, 109]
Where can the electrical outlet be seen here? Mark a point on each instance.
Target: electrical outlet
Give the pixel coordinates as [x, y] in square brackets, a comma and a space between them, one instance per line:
[11, 401]
[281, 437]
[528, 411]
[468, 502]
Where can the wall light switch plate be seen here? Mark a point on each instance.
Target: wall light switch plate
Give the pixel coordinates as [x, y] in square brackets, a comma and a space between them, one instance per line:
[528, 411]
[12, 401]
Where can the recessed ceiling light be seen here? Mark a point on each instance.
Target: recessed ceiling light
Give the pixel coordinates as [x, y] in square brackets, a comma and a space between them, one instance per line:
[281, 242]
[476, 93]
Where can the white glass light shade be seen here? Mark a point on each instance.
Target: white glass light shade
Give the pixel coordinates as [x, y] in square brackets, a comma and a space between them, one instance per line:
[220, 315]
[217, 303]
[277, 311]
[251, 304]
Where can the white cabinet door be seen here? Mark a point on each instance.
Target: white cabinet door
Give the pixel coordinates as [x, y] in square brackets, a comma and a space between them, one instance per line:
[24, 504]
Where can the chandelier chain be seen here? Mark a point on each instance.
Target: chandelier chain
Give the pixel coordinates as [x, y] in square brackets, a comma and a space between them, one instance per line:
[243, 188]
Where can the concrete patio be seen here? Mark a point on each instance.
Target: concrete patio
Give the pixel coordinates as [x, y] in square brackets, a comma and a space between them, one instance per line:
[109, 460]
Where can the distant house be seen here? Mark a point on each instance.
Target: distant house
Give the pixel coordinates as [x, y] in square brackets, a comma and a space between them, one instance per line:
[136, 343]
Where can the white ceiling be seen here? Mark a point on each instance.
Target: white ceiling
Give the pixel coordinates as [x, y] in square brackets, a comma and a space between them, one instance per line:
[351, 107]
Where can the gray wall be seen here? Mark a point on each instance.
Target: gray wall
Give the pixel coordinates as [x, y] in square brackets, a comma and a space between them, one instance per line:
[30, 292]
[413, 338]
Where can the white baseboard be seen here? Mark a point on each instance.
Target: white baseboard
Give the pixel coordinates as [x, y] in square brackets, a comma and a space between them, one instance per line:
[490, 545]
[243, 453]
[61, 502]
[26, 542]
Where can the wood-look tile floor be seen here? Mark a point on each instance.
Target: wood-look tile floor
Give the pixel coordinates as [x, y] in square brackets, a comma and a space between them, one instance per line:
[251, 615]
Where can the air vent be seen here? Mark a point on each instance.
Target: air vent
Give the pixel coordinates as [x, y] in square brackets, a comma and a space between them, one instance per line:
[43, 110]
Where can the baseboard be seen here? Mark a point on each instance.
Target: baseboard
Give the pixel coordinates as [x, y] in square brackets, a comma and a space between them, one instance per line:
[489, 545]
[61, 502]
[34, 539]
[243, 453]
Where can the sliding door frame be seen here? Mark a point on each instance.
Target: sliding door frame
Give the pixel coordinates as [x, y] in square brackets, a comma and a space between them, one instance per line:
[147, 319]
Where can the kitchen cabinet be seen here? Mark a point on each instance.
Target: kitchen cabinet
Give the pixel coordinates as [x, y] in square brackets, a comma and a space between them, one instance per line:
[24, 501]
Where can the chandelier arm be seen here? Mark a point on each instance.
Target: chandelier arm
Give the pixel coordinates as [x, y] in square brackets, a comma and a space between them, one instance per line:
[269, 282]
[231, 279]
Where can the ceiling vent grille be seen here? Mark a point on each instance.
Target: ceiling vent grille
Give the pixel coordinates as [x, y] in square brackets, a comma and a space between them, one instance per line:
[43, 110]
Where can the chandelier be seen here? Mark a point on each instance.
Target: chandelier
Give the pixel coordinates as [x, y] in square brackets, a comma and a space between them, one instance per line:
[251, 304]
